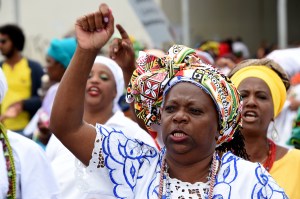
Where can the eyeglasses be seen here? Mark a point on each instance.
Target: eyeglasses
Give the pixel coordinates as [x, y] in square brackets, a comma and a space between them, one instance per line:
[3, 41]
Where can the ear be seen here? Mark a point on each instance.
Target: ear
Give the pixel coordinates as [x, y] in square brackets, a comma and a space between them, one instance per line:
[217, 134]
[115, 93]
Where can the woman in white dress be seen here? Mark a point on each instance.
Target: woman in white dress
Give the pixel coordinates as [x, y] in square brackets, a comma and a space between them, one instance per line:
[197, 109]
[25, 172]
[104, 87]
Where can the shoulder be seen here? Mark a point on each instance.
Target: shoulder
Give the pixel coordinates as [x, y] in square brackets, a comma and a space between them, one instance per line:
[234, 167]
[34, 65]
[130, 128]
[51, 92]
[111, 139]
[121, 122]
[34, 172]
[237, 172]
[24, 147]
[293, 155]
[230, 158]
[17, 140]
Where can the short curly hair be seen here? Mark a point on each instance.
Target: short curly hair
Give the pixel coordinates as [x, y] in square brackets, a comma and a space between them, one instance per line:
[16, 35]
[263, 62]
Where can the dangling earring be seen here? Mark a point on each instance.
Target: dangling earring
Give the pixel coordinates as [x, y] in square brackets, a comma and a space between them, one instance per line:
[274, 132]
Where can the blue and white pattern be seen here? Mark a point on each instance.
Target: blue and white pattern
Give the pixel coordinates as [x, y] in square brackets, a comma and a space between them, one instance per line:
[128, 168]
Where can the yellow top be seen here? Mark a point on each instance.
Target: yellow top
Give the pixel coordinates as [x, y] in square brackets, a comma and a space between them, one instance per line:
[286, 172]
[19, 88]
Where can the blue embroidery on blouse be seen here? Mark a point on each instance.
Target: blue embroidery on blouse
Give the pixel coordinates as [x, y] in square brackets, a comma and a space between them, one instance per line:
[130, 154]
[128, 160]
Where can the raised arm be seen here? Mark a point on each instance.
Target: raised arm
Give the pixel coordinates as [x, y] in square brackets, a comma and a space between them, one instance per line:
[92, 31]
[121, 50]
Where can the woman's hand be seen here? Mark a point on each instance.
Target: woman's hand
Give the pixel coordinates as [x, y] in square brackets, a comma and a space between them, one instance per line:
[95, 29]
[121, 51]
[13, 111]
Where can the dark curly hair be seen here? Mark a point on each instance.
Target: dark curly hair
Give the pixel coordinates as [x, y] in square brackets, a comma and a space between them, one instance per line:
[236, 146]
[15, 34]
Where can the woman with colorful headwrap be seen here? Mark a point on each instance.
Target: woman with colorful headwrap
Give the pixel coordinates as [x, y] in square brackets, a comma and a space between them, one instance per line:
[263, 85]
[197, 109]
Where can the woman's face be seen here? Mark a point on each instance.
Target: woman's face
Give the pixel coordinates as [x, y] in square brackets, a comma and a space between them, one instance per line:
[54, 69]
[101, 86]
[258, 109]
[189, 121]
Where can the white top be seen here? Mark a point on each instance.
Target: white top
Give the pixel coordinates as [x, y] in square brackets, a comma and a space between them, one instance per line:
[35, 179]
[284, 122]
[71, 174]
[46, 108]
[288, 59]
[128, 168]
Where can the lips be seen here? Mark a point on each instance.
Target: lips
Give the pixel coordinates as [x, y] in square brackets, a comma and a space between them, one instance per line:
[93, 91]
[250, 116]
[178, 136]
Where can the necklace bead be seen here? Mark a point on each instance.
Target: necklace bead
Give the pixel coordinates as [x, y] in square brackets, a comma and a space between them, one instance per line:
[164, 184]
[271, 156]
[8, 155]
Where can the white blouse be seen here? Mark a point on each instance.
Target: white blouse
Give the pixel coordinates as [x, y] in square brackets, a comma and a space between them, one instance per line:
[128, 168]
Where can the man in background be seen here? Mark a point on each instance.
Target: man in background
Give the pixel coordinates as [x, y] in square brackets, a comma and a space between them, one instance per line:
[23, 77]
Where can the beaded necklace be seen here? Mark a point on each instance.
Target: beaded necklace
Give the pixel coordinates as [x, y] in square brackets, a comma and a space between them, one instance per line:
[271, 155]
[8, 156]
[164, 178]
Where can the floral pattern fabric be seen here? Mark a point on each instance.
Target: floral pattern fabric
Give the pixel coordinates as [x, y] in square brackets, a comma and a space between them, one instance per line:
[129, 168]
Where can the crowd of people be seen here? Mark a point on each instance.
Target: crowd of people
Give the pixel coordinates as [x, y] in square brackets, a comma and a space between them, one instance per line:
[199, 122]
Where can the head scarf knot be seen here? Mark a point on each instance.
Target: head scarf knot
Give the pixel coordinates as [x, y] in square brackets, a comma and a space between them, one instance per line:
[154, 77]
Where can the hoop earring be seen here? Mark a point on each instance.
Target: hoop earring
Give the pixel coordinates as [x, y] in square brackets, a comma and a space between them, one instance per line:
[274, 132]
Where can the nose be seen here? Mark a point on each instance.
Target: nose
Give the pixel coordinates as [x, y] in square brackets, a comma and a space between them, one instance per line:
[180, 117]
[94, 79]
[250, 101]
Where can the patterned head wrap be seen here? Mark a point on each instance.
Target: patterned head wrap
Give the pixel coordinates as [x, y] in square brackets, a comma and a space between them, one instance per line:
[270, 77]
[154, 77]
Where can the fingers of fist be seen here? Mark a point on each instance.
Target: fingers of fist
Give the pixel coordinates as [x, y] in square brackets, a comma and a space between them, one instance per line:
[95, 21]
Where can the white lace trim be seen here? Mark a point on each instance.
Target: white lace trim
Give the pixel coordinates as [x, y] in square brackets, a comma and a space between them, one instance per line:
[185, 190]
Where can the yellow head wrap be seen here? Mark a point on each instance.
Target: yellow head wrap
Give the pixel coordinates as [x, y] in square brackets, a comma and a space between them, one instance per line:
[271, 78]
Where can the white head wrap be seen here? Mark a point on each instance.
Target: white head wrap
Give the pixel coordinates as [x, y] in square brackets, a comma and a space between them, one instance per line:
[3, 85]
[118, 75]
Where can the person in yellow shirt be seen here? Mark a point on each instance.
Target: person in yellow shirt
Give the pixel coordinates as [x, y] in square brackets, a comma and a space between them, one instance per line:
[263, 84]
[23, 77]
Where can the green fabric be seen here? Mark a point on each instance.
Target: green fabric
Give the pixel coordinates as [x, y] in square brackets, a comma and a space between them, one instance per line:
[10, 163]
[295, 138]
